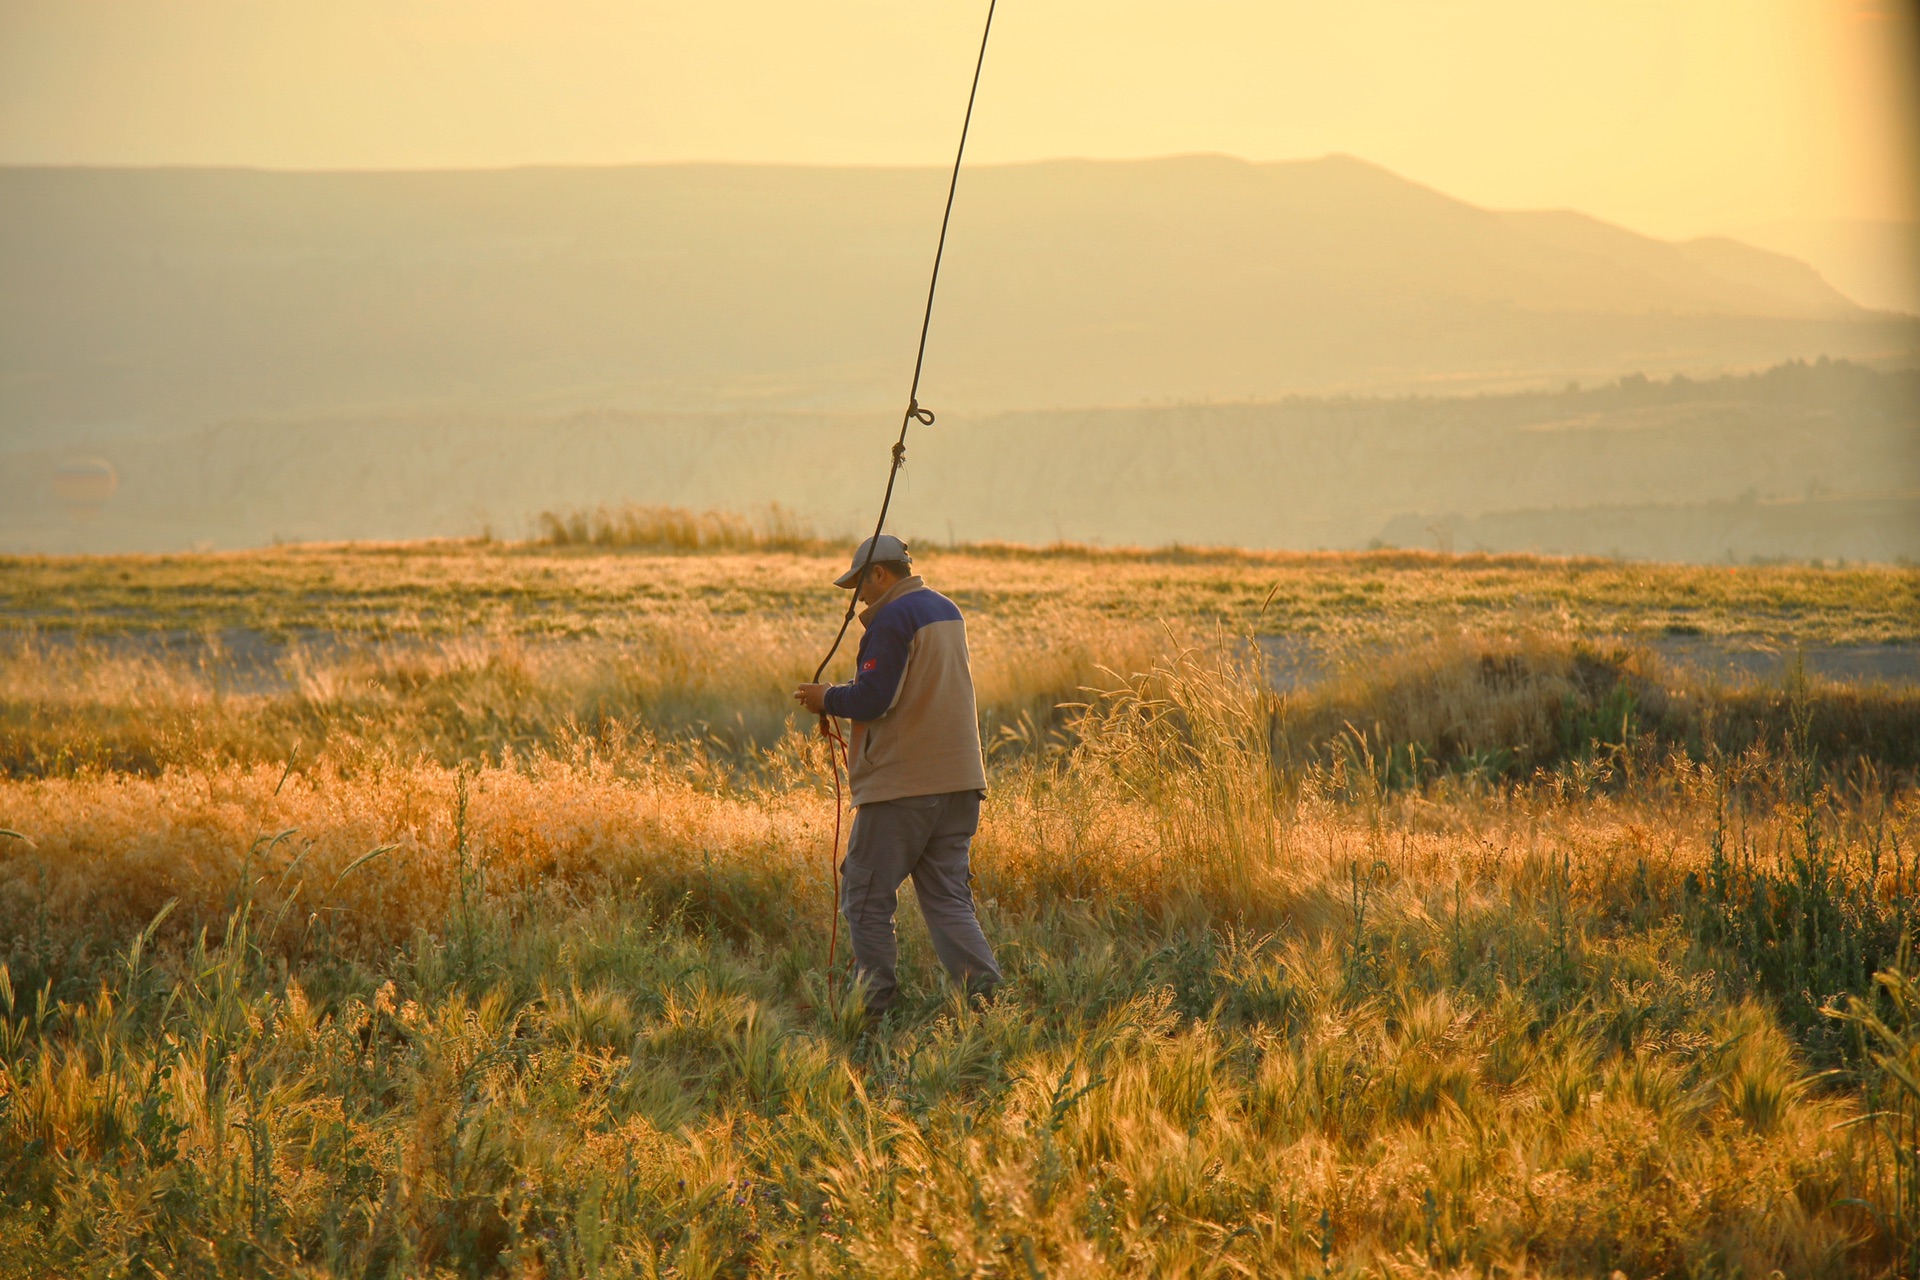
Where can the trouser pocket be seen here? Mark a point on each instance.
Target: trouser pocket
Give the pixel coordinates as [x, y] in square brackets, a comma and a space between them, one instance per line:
[856, 887]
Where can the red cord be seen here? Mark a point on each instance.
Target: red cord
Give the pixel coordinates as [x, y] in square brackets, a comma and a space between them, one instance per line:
[831, 732]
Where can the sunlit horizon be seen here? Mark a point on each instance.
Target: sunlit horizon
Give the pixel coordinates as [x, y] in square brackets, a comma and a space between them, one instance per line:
[1682, 119]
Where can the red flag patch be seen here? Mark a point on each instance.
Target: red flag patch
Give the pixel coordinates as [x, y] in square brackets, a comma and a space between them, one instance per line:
[870, 664]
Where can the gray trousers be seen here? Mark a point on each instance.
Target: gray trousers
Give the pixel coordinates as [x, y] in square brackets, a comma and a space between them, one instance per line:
[925, 837]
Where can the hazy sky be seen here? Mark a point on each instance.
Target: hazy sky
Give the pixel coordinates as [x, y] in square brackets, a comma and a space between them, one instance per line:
[1672, 116]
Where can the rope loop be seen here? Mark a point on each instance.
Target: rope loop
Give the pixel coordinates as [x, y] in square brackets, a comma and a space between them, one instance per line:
[922, 416]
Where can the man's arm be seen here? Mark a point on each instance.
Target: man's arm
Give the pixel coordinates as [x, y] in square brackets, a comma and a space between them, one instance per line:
[883, 660]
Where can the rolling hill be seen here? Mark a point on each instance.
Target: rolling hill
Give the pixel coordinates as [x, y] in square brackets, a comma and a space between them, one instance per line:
[135, 299]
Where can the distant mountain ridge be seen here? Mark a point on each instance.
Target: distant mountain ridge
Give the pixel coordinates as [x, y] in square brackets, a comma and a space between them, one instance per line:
[137, 298]
[1875, 262]
[1711, 272]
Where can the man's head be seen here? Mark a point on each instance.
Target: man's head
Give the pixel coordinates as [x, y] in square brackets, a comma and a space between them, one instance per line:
[881, 579]
[891, 561]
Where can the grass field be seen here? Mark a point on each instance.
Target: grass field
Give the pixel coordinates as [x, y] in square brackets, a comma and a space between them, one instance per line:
[463, 909]
[539, 591]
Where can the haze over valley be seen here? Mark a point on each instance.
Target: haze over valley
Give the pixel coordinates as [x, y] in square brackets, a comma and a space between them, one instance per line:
[1194, 349]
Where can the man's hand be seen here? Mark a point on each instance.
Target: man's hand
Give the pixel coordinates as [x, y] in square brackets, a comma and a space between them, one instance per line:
[812, 697]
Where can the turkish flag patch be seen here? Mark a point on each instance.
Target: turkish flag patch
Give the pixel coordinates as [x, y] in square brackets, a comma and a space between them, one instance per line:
[871, 664]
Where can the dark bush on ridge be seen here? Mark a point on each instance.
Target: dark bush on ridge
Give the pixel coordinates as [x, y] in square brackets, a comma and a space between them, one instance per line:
[1505, 709]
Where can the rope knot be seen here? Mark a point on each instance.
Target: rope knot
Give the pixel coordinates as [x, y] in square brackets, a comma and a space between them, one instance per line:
[922, 416]
[899, 454]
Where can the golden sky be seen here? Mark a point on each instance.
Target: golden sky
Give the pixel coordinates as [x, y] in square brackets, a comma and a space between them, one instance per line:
[1671, 116]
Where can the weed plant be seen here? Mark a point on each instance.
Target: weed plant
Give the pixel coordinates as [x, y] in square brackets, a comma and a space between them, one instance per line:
[1889, 1034]
[1813, 903]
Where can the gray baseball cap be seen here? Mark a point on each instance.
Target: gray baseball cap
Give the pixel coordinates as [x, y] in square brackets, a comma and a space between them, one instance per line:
[886, 547]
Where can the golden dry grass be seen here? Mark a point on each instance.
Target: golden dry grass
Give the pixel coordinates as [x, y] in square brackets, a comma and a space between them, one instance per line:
[661, 528]
[1474, 1030]
[517, 966]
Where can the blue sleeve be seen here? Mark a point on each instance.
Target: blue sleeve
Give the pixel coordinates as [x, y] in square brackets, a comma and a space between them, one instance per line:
[882, 661]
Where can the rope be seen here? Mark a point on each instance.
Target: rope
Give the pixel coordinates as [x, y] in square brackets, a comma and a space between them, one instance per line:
[836, 759]
[914, 412]
[831, 733]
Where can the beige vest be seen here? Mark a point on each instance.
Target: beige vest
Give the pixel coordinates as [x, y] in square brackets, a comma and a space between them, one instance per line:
[928, 741]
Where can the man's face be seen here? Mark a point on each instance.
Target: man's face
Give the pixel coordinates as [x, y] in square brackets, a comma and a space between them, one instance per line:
[877, 583]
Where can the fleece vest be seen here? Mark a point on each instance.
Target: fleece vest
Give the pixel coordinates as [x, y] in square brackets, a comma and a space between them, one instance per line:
[910, 700]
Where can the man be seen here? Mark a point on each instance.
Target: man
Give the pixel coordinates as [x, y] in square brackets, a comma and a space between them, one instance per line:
[915, 770]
